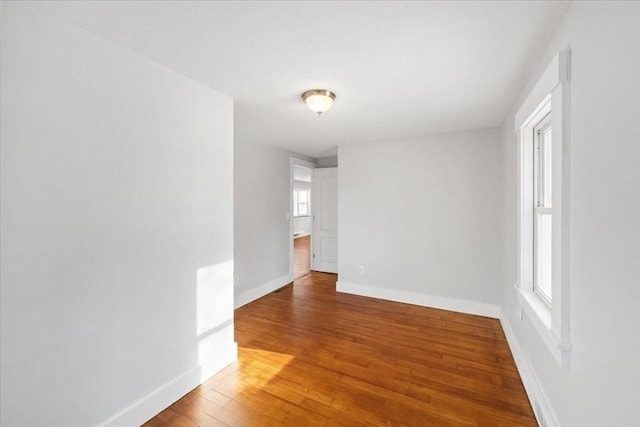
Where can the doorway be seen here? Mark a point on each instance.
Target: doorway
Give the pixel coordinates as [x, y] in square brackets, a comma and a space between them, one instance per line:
[301, 217]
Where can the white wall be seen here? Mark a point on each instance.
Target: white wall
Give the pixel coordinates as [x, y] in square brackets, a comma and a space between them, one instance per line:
[117, 220]
[601, 385]
[262, 235]
[302, 225]
[421, 217]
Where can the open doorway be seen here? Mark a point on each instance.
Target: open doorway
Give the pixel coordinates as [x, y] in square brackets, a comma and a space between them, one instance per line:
[301, 217]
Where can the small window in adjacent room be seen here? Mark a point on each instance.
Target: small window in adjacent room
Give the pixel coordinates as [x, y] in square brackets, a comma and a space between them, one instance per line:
[301, 203]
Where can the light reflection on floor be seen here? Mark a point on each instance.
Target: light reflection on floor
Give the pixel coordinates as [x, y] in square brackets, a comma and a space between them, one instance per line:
[255, 368]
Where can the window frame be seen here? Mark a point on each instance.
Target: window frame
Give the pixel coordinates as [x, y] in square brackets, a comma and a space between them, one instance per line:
[296, 203]
[550, 96]
[541, 206]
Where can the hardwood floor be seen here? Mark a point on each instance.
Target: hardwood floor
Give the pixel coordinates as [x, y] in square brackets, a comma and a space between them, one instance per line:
[301, 256]
[311, 356]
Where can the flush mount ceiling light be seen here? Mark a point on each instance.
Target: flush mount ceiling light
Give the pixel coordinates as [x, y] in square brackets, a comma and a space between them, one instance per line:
[319, 100]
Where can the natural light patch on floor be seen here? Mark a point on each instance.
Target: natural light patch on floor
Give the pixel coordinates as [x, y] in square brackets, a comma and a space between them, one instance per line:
[258, 367]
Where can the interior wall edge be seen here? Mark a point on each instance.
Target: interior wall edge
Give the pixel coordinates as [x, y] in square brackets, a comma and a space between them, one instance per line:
[261, 290]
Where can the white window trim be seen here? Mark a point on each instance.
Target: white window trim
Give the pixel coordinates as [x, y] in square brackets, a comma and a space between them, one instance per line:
[551, 93]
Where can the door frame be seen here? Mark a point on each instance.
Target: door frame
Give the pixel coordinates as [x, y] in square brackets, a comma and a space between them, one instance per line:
[295, 161]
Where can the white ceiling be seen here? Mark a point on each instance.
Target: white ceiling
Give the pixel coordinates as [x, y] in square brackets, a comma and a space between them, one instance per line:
[399, 69]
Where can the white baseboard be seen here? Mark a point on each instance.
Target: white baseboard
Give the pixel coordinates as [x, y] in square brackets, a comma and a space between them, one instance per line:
[262, 290]
[158, 400]
[544, 413]
[415, 298]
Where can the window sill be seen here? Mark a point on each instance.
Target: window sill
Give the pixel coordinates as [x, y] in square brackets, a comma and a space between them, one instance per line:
[540, 315]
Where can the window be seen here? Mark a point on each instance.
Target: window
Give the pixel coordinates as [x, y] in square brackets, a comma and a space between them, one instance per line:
[301, 203]
[543, 145]
[542, 212]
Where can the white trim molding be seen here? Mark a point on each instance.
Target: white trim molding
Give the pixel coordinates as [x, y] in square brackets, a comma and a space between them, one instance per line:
[542, 409]
[162, 397]
[262, 290]
[556, 73]
[425, 300]
[549, 96]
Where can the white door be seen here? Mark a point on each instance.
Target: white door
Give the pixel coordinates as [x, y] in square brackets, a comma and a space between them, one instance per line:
[325, 220]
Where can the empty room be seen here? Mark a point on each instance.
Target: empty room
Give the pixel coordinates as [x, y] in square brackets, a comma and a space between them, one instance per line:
[332, 213]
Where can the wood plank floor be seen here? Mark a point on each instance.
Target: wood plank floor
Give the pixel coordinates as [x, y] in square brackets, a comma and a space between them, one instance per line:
[310, 356]
[301, 256]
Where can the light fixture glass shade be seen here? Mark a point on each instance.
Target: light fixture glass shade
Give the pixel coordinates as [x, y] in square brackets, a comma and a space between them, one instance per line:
[319, 100]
